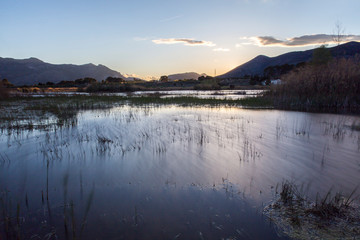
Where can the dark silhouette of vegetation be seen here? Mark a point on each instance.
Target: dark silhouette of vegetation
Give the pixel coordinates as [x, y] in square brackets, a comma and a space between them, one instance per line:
[113, 80]
[334, 213]
[256, 79]
[323, 85]
[338, 33]
[50, 83]
[113, 87]
[207, 83]
[321, 55]
[4, 92]
[203, 78]
[84, 81]
[275, 72]
[164, 79]
[81, 82]
[5, 86]
[6, 83]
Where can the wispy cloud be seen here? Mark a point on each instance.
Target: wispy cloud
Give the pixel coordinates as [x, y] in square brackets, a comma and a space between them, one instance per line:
[185, 41]
[170, 18]
[221, 50]
[131, 75]
[139, 39]
[301, 41]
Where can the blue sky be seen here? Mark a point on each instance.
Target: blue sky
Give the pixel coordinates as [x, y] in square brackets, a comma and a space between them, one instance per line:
[154, 38]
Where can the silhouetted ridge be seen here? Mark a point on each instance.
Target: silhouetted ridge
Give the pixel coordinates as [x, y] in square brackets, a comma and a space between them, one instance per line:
[257, 65]
[32, 71]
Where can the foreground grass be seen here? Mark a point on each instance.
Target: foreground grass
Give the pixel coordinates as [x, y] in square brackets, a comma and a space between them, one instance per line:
[332, 216]
[84, 102]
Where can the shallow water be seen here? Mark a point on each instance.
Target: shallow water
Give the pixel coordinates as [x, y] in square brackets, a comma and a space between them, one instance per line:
[169, 172]
[215, 94]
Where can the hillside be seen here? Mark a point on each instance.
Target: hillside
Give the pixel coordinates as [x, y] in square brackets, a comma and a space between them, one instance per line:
[257, 65]
[181, 76]
[32, 71]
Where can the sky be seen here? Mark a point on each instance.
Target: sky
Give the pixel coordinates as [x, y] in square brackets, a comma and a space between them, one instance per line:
[160, 37]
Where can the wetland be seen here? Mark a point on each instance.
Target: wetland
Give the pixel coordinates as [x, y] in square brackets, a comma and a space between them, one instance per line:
[183, 167]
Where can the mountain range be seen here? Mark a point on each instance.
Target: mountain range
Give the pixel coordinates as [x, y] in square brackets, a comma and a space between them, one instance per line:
[187, 75]
[32, 71]
[257, 65]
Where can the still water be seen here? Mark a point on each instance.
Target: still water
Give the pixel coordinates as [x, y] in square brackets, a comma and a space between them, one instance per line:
[205, 94]
[169, 172]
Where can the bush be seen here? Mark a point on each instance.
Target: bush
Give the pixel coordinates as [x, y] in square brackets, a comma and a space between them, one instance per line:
[333, 86]
[113, 87]
[208, 84]
[4, 92]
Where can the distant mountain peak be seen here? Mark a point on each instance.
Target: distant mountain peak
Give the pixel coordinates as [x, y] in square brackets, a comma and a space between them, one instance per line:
[32, 60]
[261, 57]
[33, 71]
[257, 65]
[186, 75]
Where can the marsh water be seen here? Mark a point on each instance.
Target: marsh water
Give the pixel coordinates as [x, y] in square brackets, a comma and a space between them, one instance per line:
[205, 94]
[169, 172]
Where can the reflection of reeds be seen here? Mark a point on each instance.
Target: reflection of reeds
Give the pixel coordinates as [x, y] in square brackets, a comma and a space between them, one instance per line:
[65, 108]
[11, 224]
[337, 128]
[4, 159]
[87, 210]
[69, 214]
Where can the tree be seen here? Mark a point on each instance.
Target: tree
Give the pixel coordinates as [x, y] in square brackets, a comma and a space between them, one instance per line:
[6, 83]
[252, 81]
[114, 80]
[321, 55]
[202, 78]
[338, 33]
[164, 79]
[4, 92]
[50, 83]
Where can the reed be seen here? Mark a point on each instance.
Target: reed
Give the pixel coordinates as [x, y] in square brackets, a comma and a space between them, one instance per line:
[331, 87]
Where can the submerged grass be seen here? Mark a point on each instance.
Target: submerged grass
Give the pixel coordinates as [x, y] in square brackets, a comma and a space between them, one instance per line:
[251, 102]
[21, 112]
[84, 102]
[332, 216]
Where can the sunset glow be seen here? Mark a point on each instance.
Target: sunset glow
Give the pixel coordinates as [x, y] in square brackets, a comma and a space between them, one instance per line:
[161, 37]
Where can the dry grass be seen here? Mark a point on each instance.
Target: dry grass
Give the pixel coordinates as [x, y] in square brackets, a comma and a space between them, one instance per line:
[333, 216]
[334, 86]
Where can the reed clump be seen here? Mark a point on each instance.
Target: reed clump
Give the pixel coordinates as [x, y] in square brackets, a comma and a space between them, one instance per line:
[332, 87]
[331, 216]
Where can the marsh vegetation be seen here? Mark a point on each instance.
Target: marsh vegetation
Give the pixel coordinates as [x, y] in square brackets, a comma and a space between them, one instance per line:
[90, 167]
[326, 85]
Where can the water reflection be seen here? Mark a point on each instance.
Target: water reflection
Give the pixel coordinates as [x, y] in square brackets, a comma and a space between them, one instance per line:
[205, 94]
[168, 172]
